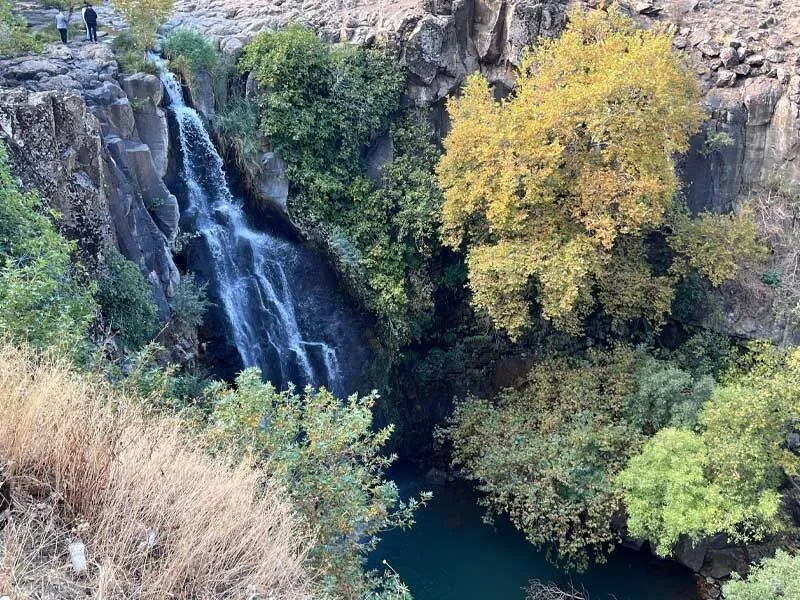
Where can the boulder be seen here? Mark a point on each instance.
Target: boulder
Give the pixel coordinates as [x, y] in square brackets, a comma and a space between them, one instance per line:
[143, 87]
[725, 78]
[161, 204]
[202, 94]
[272, 186]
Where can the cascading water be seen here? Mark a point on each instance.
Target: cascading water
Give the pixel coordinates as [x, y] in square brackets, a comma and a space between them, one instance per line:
[247, 269]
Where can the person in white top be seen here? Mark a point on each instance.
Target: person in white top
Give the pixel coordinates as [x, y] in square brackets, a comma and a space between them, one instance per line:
[62, 22]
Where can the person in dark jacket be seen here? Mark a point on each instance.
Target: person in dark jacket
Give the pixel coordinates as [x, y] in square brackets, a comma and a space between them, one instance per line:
[90, 18]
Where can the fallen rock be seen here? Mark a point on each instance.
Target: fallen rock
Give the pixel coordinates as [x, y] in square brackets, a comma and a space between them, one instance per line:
[725, 78]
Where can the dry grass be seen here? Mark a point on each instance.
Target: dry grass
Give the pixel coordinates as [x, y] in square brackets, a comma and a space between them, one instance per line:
[159, 518]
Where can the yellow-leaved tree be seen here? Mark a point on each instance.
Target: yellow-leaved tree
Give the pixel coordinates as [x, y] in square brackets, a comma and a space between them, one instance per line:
[144, 17]
[554, 189]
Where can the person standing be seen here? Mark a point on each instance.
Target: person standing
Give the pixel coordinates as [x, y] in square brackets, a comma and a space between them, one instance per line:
[61, 24]
[90, 19]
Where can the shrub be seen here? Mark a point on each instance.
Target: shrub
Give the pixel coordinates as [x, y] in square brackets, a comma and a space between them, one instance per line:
[144, 18]
[323, 105]
[189, 304]
[158, 517]
[562, 181]
[716, 245]
[546, 454]
[775, 578]
[716, 141]
[190, 52]
[327, 455]
[240, 135]
[130, 58]
[666, 396]
[725, 478]
[45, 298]
[126, 302]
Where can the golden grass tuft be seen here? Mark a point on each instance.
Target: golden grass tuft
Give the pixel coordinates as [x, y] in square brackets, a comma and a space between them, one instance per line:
[159, 518]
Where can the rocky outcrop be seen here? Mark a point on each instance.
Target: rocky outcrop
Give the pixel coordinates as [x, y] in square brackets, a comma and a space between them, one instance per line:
[440, 42]
[73, 134]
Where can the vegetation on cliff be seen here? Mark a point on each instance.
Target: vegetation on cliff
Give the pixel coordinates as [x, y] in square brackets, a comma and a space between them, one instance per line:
[320, 109]
[45, 297]
[556, 191]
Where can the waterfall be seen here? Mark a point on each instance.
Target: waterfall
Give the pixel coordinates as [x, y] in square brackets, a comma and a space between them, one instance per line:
[247, 268]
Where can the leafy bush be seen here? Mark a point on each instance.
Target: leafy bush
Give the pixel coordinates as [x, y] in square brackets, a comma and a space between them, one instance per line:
[126, 302]
[726, 477]
[394, 230]
[189, 304]
[772, 278]
[45, 298]
[327, 455]
[144, 18]
[322, 106]
[775, 578]
[190, 52]
[716, 245]
[546, 454]
[666, 395]
[240, 135]
[716, 141]
[130, 58]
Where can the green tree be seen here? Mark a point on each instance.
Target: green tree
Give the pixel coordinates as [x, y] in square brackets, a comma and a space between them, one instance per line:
[46, 299]
[774, 579]
[558, 184]
[326, 454]
[546, 454]
[144, 17]
[126, 302]
[726, 477]
[666, 395]
[322, 106]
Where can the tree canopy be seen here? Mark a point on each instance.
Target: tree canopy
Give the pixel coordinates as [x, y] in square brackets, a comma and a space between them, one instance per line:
[554, 188]
[726, 477]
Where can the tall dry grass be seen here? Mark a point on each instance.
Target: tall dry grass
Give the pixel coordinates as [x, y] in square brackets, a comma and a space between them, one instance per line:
[158, 517]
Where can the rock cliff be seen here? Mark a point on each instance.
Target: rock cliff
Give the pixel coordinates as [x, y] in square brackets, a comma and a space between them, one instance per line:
[95, 146]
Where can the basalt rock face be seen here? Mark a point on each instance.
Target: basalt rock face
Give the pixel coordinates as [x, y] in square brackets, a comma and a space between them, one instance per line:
[440, 42]
[72, 133]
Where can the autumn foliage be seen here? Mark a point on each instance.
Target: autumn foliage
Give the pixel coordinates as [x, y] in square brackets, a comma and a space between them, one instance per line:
[556, 186]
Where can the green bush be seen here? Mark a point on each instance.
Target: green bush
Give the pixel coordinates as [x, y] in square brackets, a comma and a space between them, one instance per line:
[726, 477]
[326, 454]
[666, 395]
[130, 58]
[772, 278]
[189, 304]
[240, 135]
[190, 52]
[546, 454]
[773, 579]
[126, 302]
[322, 106]
[45, 298]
